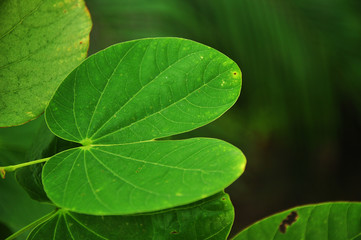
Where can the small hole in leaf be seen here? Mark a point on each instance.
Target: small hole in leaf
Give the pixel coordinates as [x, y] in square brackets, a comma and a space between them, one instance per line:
[288, 221]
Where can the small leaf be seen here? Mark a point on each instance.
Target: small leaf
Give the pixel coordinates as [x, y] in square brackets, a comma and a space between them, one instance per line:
[326, 221]
[210, 218]
[41, 42]
[140, 177]
[116, 103]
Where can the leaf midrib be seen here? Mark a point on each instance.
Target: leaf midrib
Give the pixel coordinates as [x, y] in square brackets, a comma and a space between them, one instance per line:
[106, 85]
[168, 166]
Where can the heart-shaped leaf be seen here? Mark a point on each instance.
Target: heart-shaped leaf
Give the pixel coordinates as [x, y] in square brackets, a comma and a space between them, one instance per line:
[41, 41]
[210, 218]
[336, 221]
[116, 103]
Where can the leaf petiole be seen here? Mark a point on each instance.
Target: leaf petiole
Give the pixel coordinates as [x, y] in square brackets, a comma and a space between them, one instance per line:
[33, 224]
[12, 168]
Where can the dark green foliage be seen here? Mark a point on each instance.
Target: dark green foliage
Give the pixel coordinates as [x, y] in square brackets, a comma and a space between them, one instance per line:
[210, 218]
[17, 209]
[4, 231]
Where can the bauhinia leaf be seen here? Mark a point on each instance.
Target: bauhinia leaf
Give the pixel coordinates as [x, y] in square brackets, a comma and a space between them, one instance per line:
[336, 221]
[41, 41]
[210, 218]
[116, 103]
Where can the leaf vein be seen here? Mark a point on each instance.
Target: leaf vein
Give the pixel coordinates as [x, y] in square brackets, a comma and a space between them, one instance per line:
[131, 98]
[121, 178]
[102, 94]
[86, 227]
[91, 185]
[146, 117]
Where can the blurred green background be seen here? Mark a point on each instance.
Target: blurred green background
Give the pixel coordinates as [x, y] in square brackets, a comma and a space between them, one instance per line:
[298, 119]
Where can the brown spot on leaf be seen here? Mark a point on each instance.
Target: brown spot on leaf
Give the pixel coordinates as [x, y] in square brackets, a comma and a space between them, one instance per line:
[235, 73]
[2, 173]
[288, 221]
[81, 42]
[174, 232]
[223, 198]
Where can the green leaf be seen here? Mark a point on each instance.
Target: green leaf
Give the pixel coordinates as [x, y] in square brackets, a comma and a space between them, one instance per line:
[210, 218]
[336, 221]
[116, 103]
[41, 41]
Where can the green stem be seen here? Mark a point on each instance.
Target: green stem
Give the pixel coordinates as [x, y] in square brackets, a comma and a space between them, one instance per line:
[12, 168]
[32, 225]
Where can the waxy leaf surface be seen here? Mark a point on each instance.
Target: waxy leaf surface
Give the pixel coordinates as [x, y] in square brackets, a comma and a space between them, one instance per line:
[41, 41]
[336, 221]
[121, 99]
[210, 218]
